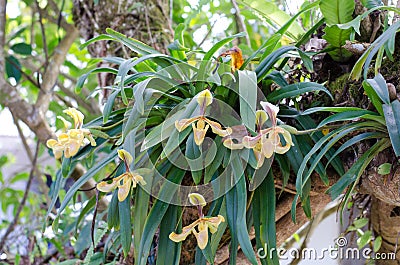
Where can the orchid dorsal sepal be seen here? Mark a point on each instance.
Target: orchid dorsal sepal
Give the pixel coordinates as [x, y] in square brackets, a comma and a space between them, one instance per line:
[271, 110]
[125, 156]
[261, 117]
[197, 199]
[204, 98]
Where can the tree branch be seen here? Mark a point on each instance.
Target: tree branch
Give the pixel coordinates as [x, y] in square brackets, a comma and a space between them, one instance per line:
[239, 22]
[34, 115]
[53, 70]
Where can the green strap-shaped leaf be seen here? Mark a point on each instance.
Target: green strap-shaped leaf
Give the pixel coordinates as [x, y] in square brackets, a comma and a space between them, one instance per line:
[236, 200]
[351, 115]
[142, 199]
[354, 173]
[82, 180]
[58, 184]
[392, 117]
[168, 251]
[124, 208]
[295, 90]
[248, 97]
[113, 212]
[135, 45]
[266, 65]
[264, 220]
[221, 43]
[82, 78]
[156, 214]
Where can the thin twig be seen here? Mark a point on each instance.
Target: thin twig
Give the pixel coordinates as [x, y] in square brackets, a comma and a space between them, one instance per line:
[22, 204]
[207, 35]
[28, 77]
[240, 23]
[46, 52]
[23, 138]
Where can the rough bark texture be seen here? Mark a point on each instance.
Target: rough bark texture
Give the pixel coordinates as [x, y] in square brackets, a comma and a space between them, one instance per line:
[147, 21]
[385, 220]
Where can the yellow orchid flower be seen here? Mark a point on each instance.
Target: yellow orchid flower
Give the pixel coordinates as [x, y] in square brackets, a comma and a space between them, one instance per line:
[267, 141]
[201, 124]
[129, 179]
[69, 142]
[203, 224]
[201, 127]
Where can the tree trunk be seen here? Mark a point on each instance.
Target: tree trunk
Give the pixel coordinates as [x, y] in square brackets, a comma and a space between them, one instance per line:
[147, 21]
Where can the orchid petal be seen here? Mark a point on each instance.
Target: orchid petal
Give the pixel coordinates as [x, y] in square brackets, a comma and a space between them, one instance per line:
[184, 123]
[72, 147]
[217, 128]
[251, 142]
[214, 222]
[66, 123]
[107, 187]
[185, 232]
[137, 179]
[228, 143]
[63, 138]
[288, 139]
[51, 143]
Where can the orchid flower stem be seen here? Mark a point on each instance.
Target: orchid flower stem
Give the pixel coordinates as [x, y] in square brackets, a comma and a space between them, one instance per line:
[200, 210]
